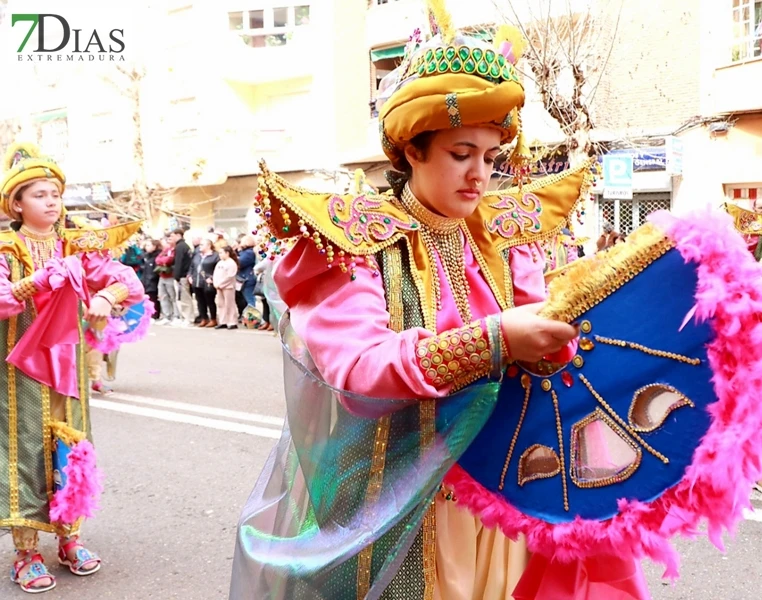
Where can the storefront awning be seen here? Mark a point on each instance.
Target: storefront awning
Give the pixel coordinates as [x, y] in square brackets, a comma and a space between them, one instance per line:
[382, 53]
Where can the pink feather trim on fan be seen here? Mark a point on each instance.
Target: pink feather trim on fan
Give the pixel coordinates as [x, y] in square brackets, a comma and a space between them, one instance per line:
[81, 494]
[112, 337]
[716, 486]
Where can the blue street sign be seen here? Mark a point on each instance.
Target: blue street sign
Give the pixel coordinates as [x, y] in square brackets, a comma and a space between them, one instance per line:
[617, 176]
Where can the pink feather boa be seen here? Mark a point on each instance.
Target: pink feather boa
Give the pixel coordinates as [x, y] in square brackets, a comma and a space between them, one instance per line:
[80, 497]
[716, 486]
[112, 336]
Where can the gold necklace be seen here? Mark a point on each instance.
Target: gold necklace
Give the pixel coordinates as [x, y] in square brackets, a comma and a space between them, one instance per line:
[42, 246]
[442, 237]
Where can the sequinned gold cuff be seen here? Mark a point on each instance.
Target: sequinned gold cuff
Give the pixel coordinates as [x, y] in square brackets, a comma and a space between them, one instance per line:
[118, 291]
[24, 289]
[458, 356]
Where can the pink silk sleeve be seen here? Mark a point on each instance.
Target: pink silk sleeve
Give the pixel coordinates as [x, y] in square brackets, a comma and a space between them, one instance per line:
[527, 266]
[345, 326]
[9, 306]
[102, 271]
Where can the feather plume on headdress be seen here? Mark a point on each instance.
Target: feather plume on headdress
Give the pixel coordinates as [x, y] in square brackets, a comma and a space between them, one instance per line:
[510, 42]
[440, 20]
[19, 151]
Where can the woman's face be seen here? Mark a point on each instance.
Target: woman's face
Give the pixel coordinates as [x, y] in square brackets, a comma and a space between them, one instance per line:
[206, 246]
[39, 205]
[453, 176]
[150, 247]
[224, 254]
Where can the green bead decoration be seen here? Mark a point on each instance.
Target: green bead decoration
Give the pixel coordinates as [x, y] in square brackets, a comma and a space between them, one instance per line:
[483, 68]
[477, 53]
[507, 75]
[464, 53]
[429, 55]
[501, 60]
[469, 66]
[456, 66]
[443, 66]
[363, 219]
[489, 56]
[439, 53]
[495, 71]
[421, 70]
[450, 53]
[431, 67]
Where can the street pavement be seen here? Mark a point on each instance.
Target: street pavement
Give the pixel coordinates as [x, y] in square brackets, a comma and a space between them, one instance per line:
[181, 441]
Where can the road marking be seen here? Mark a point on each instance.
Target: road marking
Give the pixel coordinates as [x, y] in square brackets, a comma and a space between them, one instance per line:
[197, 408]
[175, 417]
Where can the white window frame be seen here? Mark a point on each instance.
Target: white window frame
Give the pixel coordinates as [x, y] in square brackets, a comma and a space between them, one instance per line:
[104, 135]
[268, 13]
[190, 120]
[745, 46]
[744, 199]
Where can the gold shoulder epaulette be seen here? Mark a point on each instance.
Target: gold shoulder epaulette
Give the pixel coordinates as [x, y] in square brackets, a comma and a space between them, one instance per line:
[746, 221]
[92, 240]
[535, 212]
[355, 225]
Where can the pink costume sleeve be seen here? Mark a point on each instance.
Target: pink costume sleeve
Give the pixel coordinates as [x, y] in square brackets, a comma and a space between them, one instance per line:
[527, 266]
[345, 325]
[9, 306]
[101, 272]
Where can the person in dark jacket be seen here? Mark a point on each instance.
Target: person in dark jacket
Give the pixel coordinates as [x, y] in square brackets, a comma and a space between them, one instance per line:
[183, 256]
[246, 260]
[150, 277]
[203, 269]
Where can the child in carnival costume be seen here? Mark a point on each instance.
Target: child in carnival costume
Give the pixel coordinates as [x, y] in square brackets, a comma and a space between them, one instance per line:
[46, 272]
[398, 302]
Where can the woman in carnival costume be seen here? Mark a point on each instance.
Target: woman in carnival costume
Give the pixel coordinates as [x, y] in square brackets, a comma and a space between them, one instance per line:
[430, 422]
[407, 296]
[46, 272]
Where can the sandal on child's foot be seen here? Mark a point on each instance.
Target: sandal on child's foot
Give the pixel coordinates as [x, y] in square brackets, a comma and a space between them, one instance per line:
[31, 573]
[79, 559]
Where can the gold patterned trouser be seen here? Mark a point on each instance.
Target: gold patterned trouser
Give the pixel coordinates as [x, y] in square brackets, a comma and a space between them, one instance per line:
[26, 538]
[94, 360]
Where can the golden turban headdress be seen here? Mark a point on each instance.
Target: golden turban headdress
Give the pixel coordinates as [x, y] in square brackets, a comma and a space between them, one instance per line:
[23, 165]
[452, 80]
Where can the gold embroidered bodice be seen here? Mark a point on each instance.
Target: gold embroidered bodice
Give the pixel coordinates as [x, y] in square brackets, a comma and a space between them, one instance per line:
[42, 247]
[444, 237]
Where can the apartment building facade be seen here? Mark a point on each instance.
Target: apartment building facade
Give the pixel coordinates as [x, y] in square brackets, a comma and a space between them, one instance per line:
[723, 157]
[295, 82]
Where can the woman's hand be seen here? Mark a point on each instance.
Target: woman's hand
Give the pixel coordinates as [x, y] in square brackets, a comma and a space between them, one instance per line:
[99, 311]
[531, 337]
